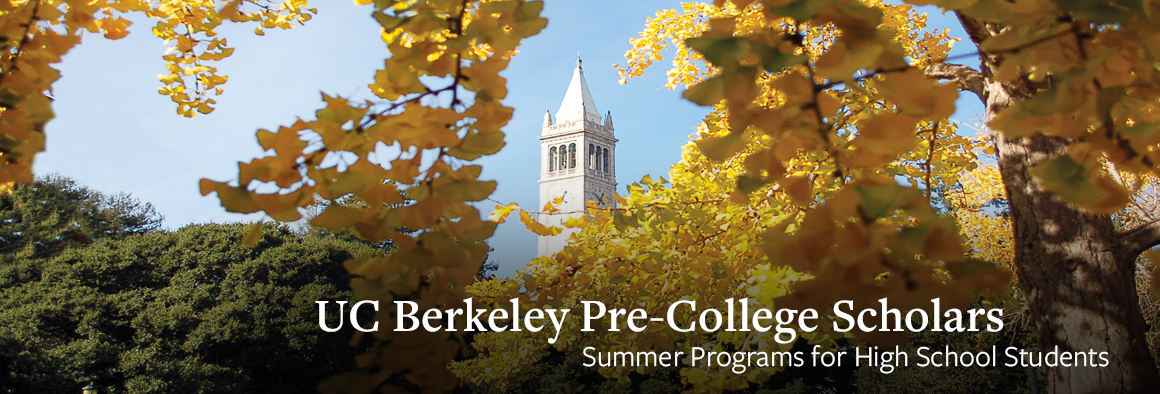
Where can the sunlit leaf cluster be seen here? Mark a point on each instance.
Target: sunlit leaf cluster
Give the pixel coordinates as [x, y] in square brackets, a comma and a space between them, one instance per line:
[35, 34]
[402, 165]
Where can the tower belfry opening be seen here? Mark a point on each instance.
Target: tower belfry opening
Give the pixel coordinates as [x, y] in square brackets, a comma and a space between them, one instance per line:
[577, 159]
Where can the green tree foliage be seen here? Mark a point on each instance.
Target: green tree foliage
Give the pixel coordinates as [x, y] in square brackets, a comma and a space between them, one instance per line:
[44, 217]
[192, 311]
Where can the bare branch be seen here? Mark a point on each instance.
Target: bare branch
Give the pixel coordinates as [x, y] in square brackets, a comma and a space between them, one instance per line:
[967, 78]
[1141, 238]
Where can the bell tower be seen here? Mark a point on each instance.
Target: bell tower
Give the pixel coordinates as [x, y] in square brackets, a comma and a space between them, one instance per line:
[577, 159]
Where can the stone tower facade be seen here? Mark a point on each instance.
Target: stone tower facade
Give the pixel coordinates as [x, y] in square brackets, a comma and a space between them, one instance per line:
[577, 159]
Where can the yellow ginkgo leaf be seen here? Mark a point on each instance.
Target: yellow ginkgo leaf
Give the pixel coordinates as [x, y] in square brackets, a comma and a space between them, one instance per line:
[253, 235]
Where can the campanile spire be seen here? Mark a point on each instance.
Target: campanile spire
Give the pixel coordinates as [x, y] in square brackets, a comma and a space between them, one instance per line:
[578, 103]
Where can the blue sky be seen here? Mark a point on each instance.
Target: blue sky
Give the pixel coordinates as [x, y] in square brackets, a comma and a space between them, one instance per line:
[115, 133]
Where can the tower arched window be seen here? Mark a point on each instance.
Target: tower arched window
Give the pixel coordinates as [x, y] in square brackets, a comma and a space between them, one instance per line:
[607, 161]
[563, 163]
[552, 159]
[572, 156]
[599, 160]
[591, 164]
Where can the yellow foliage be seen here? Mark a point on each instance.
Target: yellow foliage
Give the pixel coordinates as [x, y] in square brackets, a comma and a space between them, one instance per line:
[815, 179]
[987, 230]
[793, 193]
[420, 199]
[36, 33]
[818, 175]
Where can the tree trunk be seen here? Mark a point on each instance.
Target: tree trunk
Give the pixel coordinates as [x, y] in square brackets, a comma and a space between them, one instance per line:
[1076, 273]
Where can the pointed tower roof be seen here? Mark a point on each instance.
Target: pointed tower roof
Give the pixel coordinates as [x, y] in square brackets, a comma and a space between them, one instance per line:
[578, 103]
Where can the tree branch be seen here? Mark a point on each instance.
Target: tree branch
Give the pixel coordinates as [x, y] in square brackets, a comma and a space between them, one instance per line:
[967, 78]
[1141, 238]
[976, 29]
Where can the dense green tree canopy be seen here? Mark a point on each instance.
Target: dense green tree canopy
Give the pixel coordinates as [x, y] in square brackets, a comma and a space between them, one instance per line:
[54, 212]
[194, 310]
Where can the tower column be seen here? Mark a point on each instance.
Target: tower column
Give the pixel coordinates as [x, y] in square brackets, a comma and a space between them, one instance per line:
[575, 172]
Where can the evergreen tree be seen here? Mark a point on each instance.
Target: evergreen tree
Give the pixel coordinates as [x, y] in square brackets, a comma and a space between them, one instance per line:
[46, 216]
[191, 311]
